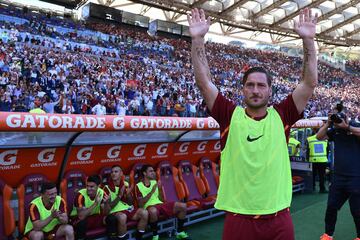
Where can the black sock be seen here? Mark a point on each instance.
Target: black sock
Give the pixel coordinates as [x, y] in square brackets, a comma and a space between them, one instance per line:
[180, 226]
[139, 234]
[330, 220]
[154, 228]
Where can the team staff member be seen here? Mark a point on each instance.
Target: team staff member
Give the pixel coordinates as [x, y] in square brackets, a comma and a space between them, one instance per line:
[317, 151]
[121, 206]
[47, 216]
[294, 146]
[346, 180]
[150, 197]
[255, 179]
[90, 207]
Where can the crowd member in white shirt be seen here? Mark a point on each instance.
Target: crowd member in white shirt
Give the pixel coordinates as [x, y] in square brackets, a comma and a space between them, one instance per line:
[121, 108]
[68, 107]
[99, 108]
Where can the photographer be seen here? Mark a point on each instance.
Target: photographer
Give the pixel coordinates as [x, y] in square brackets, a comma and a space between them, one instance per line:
[346, 180]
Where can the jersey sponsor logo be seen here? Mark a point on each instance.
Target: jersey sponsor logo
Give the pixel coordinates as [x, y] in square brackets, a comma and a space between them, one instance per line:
[8, 158]
[47, 155]
[84, 153]
[250, 139]
[114, 152]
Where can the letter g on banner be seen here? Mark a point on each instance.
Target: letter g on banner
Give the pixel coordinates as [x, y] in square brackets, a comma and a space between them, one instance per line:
[184, 147]
[139, 151]
[202, 146]
[162, 149]
[84, 153]
[8, 157]
[47, 155]
[114, 152]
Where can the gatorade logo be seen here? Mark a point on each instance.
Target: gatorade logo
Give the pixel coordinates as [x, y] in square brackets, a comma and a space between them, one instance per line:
[184, 147]
[84, 153]
[139, 150]
[162, 149]
[217, 146]
[202, 146]
[114, 152]
[47, 155]
[8, 157]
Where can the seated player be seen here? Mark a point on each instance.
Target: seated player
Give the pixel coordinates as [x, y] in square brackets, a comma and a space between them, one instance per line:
[121, 206]
[47, 216]
[150, 197]
[90, 208]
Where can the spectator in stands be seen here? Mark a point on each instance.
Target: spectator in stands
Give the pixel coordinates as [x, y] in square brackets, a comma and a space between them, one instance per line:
[346, 180]
[68, 108]
[47, 216]
[90, 208]
[256, 134]
[49, 105]
[317, 155]
[37, 106]
[122, 209]
[99, 109]
[150, 197]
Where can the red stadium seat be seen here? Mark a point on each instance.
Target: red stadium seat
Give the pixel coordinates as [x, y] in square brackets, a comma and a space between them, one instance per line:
[173, 189]
[210, 177]
[105, 175]
[72, 182]
[194, 187]
[29, 189]
[135, 174]
[7, 223]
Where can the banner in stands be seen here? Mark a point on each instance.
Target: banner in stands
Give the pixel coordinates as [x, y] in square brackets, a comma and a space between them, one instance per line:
[63, 122]
[91, 159]
[15, 164]
[194, 151]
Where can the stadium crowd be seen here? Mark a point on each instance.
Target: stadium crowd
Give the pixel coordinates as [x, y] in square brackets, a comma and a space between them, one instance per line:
[122, 70]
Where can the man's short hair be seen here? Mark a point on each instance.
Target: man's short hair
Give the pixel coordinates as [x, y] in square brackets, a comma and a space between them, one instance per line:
[144, 168]
[94, 178]
[257, 69]
[116, 165]
[47, 186]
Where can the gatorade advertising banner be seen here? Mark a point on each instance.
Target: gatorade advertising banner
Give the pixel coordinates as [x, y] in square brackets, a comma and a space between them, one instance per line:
[194, 151]
[10, 121]
[91, 159]
[15, 164]
[64, 122]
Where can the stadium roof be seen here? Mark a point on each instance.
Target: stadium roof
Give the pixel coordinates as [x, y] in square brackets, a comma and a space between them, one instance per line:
[259, 20]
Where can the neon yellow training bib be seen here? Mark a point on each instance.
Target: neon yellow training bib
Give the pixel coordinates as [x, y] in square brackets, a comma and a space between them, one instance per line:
[255, 174]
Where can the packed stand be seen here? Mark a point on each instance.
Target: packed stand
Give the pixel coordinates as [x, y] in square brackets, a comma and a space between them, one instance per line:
[126, 72]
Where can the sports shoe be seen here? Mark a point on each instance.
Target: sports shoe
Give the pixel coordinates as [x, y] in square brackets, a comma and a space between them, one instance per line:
[182, 235]
[156, 237]
[326, 237]
[357, 239]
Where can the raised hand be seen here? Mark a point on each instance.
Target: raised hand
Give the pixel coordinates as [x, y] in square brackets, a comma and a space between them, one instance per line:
[306, 25]
[98, 198]
[121, 191]
[55, 213]
[198, 24]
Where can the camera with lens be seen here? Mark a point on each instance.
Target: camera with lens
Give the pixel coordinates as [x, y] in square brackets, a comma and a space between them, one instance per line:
[339, 116]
